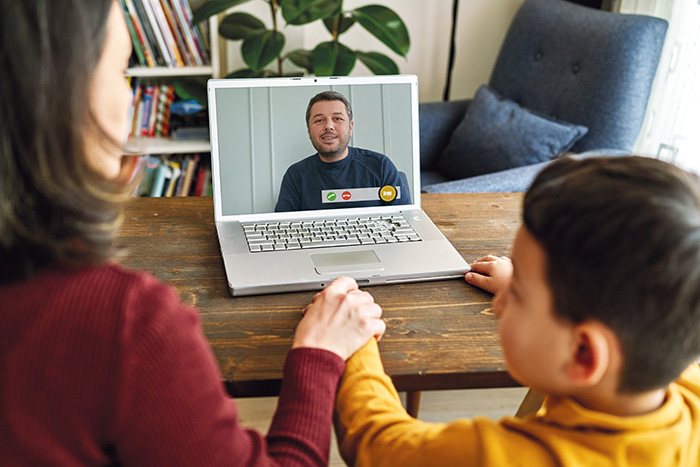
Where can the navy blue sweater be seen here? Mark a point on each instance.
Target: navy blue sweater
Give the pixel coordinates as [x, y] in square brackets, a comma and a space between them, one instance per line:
[305, 180]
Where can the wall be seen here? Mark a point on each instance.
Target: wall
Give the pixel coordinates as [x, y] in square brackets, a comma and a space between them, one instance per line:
[670, 129]
[481, 27]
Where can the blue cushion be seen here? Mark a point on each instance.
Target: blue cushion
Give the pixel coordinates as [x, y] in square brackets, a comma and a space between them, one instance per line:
[497, 134]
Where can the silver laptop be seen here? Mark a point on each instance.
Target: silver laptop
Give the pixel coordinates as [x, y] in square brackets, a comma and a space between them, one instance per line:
[368, 226]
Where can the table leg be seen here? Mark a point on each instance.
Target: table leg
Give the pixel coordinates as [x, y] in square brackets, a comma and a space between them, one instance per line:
[412, 403]
[531, 403]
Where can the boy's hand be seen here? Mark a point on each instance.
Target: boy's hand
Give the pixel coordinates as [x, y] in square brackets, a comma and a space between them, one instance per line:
[493, 273]
[341, 319]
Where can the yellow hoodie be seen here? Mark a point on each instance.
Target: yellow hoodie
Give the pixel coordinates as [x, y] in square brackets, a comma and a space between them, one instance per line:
[374, 429]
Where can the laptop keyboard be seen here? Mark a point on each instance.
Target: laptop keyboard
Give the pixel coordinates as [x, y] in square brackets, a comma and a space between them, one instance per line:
[273, 236]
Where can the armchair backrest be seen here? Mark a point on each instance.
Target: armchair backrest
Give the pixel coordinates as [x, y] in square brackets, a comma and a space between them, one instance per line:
[582, 65]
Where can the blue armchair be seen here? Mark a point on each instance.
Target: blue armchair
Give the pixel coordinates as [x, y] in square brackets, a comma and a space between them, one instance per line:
[561, 62]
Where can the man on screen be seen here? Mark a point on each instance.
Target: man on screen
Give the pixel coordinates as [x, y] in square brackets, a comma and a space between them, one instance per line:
[338, 175]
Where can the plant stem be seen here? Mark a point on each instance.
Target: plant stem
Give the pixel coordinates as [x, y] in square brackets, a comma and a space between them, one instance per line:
[336, 26]
[273, 7]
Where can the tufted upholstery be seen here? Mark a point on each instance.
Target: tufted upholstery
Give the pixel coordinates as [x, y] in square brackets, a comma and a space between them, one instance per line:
[573, 63]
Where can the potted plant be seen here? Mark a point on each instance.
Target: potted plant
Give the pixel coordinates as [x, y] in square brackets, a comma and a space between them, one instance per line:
[262, 46]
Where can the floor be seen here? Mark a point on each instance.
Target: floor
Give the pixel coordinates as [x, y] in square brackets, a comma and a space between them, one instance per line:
[435, 406]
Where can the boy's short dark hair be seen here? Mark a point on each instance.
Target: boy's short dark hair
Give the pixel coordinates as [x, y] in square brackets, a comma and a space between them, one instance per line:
[622, 240]
[328, 96]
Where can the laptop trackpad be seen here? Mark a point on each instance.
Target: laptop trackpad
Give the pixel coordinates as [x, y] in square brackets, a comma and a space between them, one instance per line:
[329, 263]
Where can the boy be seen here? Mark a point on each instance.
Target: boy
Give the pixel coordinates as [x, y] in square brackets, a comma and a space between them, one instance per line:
[599, 309]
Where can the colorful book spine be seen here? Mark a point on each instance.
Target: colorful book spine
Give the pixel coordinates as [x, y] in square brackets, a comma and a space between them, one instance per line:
[181, 180]
[186, 27]
[149, 171]
[199, 43]
[170, 93]
[134, 36]
[142, 39]
[160, 41]
[146, 110]
[189, 174]
[201, 174]
[149, 34]
[170, 15]
[166, 32]
[176, 172]
[159, 179]
[161, 110]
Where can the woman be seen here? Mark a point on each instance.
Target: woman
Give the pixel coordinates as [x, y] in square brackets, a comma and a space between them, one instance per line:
[98, 364]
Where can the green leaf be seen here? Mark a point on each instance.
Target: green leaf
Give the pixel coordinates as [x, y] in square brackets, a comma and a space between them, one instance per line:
[307, 11]
[213, 7]
[191, 88]
[302, 59]
[385, 25]
[346, 21]
[378, 63]
[332, 59]
[262, 47]
[237, 26]
[246, 73]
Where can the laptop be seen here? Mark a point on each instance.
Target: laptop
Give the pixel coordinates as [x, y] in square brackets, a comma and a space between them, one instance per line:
[376, 234]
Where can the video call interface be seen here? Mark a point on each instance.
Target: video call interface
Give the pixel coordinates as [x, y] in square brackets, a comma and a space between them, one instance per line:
[261, 132]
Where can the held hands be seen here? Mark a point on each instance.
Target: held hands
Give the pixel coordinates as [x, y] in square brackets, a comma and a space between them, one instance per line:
[491, 273]
[340, 319]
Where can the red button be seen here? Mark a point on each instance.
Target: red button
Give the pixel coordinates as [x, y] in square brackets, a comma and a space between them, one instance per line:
[346, 195]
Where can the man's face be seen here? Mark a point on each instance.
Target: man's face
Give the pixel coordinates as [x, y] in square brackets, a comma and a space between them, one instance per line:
[330, 129]
[535, 342]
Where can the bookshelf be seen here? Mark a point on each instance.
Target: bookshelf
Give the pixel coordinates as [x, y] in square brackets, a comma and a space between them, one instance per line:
[167, 48]
[153, 145]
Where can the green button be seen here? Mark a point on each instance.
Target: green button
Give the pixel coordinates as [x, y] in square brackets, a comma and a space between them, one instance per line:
[331, 196]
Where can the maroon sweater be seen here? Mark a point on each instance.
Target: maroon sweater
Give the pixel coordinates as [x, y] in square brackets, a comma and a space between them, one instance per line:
[102, 364]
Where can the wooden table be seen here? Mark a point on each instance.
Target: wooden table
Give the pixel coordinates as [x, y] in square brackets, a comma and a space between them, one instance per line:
[440, 335]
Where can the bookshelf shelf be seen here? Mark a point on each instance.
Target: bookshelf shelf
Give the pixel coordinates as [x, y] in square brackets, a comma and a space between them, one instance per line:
[157, 72]
[156, 145]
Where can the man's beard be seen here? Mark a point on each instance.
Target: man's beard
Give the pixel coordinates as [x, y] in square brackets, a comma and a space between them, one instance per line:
[342, 146]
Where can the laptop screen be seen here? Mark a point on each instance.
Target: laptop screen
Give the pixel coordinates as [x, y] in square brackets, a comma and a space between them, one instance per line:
[266, 157]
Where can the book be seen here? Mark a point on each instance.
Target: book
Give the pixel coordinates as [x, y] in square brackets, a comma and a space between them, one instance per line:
[166, 32]
[163, 113]
[168, 105]
[146, 109]
[172, 183]
[134, 35]
[189, 174]
[200, 182]
[170, 15]
[186, 27]
[149, 171]
[159, 179]
[152, 116]
[199, 42]
[203, 181]
[159, 42]
[149, 34]
[181, 179]
[142, 39]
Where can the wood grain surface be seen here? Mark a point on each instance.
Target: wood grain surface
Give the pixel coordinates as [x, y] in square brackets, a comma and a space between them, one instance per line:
[440, 335]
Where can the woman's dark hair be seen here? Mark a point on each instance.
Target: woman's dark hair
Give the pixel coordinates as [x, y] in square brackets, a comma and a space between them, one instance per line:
[622, 241]
[55, 208]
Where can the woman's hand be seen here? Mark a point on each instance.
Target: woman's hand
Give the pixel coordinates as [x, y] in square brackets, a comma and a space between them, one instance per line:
[491, 273]
[341, 319]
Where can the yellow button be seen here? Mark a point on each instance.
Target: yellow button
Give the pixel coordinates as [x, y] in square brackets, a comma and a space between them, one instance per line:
[387, 193]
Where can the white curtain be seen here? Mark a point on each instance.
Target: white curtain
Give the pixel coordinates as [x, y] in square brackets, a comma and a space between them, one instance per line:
[671, 129]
